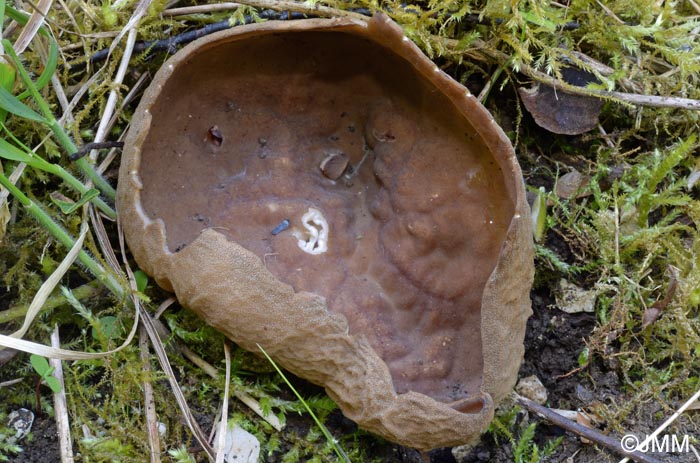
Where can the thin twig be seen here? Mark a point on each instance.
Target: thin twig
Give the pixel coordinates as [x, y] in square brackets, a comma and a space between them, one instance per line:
[539, 76]
[96, 145]
[582, 431]
[59, 404]
[149, 402]
[610, 12]
[12, 382]
[171, 44]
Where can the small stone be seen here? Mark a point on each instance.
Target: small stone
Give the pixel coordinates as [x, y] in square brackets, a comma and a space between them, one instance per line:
[583, 394]
[21, 420]
[570, 184]
[334, 165]
[461, 452]
[572, 299]
[533, 389]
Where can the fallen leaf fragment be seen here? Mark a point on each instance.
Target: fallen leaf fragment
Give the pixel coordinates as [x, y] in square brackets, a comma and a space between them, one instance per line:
[560, 112]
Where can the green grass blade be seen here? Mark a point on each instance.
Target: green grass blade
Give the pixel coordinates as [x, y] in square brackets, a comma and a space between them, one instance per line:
[338, 451]
[31, 87]
[12, 153]
[11, 104]
[49, 69]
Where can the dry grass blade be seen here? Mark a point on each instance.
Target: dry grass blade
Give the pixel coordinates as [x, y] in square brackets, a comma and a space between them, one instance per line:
[50, 284]
[162, 356]
[148, 399]
[103, 240]
[63, 354]
[60, 406]
[14, 177]
[33, 25]
[223, 424]
[136, 16]
[167, 369]
[212, 372]
[102, 129]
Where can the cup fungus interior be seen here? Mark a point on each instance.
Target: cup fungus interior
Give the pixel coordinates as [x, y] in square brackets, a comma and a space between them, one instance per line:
[350, 176]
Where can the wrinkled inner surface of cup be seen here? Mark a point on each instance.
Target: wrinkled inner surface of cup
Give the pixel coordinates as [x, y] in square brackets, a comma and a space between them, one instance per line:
[396, 210]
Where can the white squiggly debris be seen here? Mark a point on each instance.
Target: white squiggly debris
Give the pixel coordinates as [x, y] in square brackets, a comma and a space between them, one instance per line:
[314, 239]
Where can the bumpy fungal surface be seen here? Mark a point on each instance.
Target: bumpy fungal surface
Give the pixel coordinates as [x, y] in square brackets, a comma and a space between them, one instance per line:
[415, 230]
[352, 178]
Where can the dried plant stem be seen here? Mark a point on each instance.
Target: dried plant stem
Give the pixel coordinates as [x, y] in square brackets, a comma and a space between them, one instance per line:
[103, 127]
[199, 9]
[59, 404]
[316, 10]
[167, 369]
[211, 371]
[14, 176]
[582, 431]
[695, 6]
[148, 400]
[629, 98]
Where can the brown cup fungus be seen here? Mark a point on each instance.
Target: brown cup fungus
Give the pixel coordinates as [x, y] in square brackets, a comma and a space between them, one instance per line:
[322, 189]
